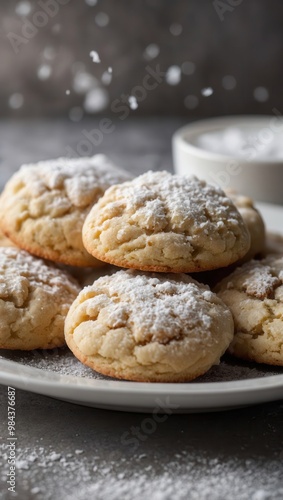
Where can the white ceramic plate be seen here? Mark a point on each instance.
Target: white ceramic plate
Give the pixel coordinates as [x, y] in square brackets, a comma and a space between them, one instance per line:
[229, 385]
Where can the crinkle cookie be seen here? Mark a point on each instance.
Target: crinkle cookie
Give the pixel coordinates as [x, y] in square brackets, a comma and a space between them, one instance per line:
[254, 294]
[44, 205]
[274, 244]
[34, 300]
[148, 327]
[4, 241]
[253, 221]
[166, 223]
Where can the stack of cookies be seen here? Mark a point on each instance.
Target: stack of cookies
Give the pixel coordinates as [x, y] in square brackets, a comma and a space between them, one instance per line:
[150, 321]
[43, 208]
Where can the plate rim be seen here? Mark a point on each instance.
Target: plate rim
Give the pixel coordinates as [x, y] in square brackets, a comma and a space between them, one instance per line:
[50, 379]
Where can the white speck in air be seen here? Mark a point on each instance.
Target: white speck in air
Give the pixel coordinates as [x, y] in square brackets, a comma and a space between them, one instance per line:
[102, 19]
[95, 56]
[207, 92]
[151, 52]
[173, 75]
[23, 8]
[176, 29]
[261, 94]
[83, 82]
[44, 72]
[133, 102]
[16, 101]
[106, 78]
[96, 100]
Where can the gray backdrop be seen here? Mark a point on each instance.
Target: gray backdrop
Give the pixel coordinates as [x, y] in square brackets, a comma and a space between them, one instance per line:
[230, 49]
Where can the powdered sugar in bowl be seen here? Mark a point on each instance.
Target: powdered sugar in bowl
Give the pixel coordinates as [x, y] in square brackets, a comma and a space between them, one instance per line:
[242, 152]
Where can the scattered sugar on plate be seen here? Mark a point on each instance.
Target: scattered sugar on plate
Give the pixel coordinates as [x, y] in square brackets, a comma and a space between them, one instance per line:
[63, 362]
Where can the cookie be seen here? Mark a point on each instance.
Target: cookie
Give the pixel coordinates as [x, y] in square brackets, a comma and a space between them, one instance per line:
[274, 244]
[253, 221]
[4, 241]
[34, 300]
[255, 225]
[254, 294]
[166, 223]
[148, 327]
[44, 205]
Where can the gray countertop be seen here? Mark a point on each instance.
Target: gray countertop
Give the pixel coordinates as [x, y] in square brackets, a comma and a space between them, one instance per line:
[65, 451]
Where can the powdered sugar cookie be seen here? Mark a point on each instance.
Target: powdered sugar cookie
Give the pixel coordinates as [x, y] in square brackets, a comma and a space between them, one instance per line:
[34, 300]
[256, 228]
[254, 294]
[4, 241]
[148, 327]
[253, 221]
[44, 205]
[274, 244]
[166, 223]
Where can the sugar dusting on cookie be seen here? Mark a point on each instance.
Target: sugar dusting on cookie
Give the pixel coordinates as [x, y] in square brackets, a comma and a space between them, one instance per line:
[83, 179]
[260, 279]
[260, 283]
[159, 307]
[163, 222]
[148, 327]
[21, 273]
[35, 298]
[182, 197]
[44, 205]
[254, 294]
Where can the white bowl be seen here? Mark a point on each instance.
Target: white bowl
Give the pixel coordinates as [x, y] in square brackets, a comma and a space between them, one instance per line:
[262, 179]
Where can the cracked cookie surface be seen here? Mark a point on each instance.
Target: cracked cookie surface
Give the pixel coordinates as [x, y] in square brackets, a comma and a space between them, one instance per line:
[253, 220]
[44, 205]
[166, 223]
[148, 327]
[4, 241]
[254, 294]
[34, 300]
